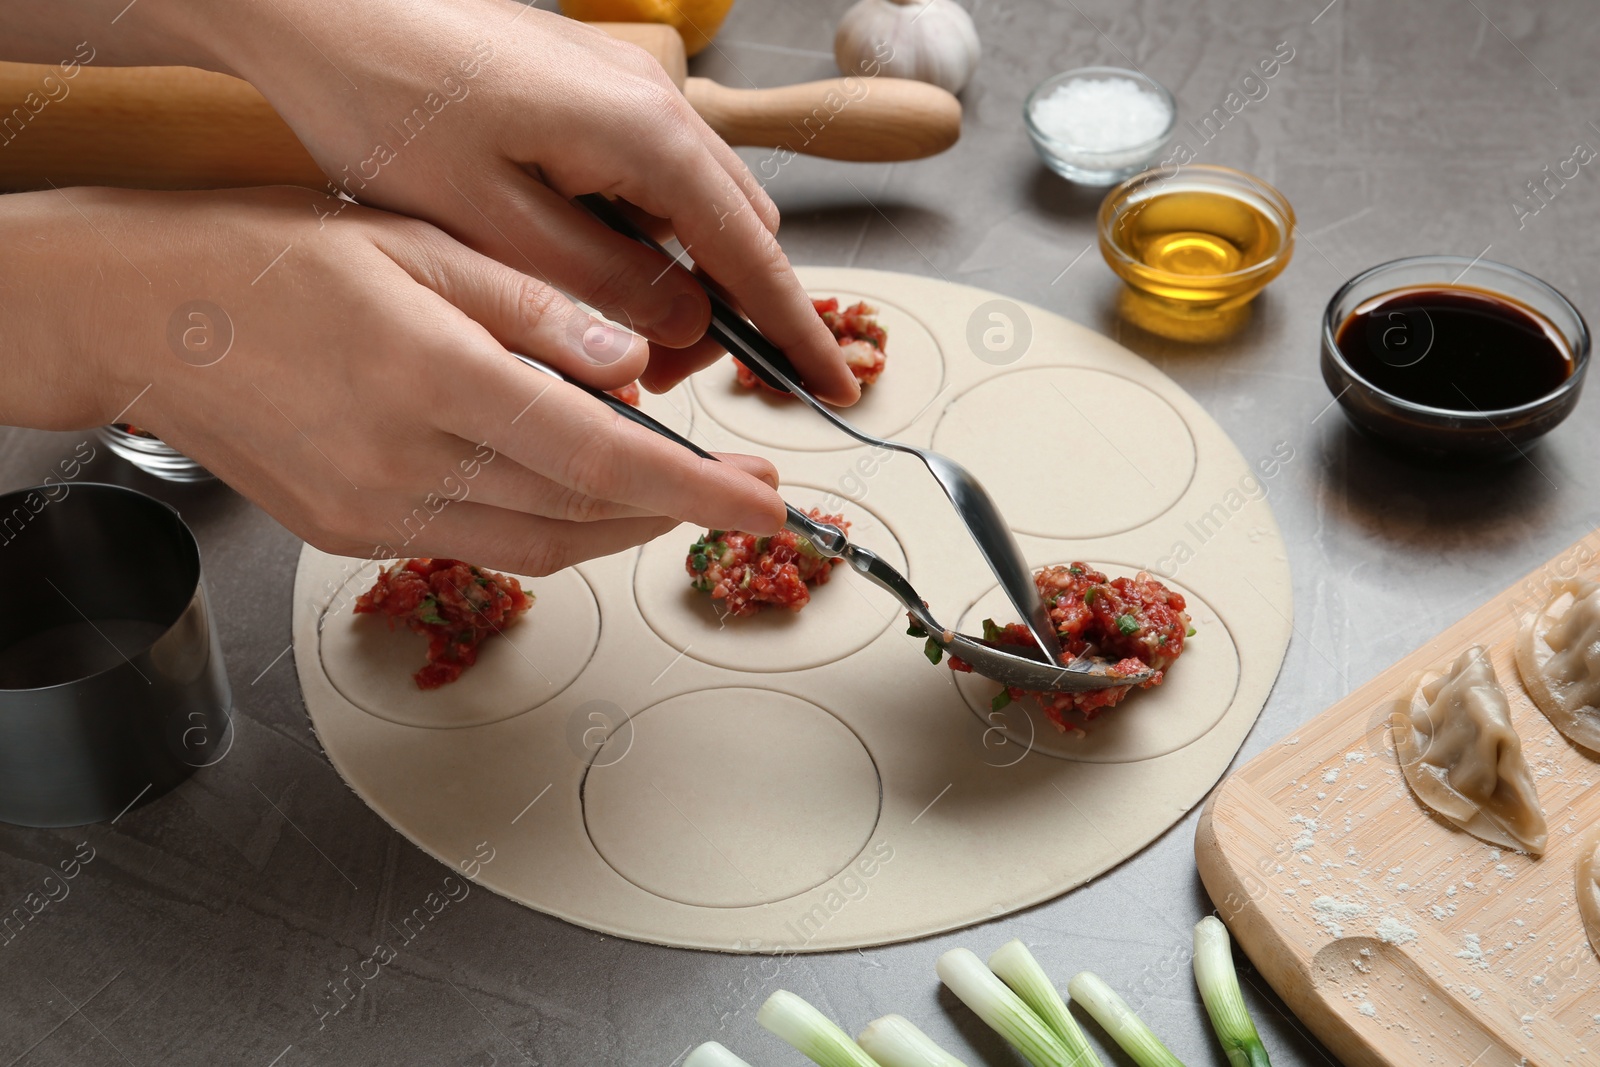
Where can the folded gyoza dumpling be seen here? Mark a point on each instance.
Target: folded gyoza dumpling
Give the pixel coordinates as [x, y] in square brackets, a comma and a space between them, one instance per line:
[1463, 758]
[1558, 655]
[1589, 887]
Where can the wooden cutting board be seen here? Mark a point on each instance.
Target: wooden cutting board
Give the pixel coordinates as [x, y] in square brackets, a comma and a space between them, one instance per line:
[1395, 937]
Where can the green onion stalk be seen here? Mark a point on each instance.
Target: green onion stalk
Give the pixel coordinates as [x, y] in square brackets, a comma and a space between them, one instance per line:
[811, 1033]
[1014, 965]
[1120, 1021]
[894, 1041]
[1005, 1012]
[712, 1054]
[1219, 988]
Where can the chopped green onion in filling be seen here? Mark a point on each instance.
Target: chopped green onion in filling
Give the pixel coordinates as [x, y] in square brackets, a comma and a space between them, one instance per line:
[428, 611]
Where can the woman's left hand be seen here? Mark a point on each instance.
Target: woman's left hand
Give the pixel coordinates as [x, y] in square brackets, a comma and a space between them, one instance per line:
[486, 118]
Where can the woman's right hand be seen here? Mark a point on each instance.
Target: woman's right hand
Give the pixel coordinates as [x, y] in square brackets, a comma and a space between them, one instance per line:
[347, 375]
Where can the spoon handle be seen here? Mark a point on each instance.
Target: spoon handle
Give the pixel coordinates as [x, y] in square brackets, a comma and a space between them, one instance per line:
[728, 328]
[621, 407]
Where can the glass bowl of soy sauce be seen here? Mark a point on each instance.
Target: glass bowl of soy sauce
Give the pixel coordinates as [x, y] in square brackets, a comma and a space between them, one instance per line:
[1445, 356]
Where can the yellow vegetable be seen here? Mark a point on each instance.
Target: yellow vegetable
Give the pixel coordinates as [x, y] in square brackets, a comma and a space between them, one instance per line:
[696, 21]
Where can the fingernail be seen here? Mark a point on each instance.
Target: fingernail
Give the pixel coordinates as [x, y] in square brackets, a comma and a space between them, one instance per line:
[685, 320]
[759, 523]
[603, 345]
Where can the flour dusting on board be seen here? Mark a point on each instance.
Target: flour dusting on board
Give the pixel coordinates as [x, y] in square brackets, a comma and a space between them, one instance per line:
[1472, 951]
[1394, 931]
[1332, 914]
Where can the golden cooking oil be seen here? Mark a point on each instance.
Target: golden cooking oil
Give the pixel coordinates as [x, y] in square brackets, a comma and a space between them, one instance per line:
[1194, 247]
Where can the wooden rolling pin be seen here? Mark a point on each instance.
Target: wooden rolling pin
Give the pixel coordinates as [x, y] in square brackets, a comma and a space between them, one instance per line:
[182, 128]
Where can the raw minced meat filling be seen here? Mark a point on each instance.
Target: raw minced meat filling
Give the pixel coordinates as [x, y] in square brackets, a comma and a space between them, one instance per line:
[858, 332]
[748, 571]
[453, 604]
[1137, 623]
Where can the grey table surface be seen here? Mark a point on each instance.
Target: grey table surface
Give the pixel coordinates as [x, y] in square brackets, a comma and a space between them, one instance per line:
[211, 921]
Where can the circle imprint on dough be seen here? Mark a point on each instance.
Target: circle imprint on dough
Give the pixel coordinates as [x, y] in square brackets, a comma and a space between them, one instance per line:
[913, 376]
[517, 670]
[844, 616]
[731, 798]
[1086, 427]
[1190, 700]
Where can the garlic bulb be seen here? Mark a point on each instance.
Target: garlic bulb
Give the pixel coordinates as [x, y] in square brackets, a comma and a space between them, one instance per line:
[929, 40]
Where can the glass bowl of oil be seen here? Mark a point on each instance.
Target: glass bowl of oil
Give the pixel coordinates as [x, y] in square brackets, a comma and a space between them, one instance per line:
[1194, 244]
[1445, 356]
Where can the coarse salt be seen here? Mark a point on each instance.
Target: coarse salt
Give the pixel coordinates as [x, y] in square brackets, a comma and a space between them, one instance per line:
[1101, 114]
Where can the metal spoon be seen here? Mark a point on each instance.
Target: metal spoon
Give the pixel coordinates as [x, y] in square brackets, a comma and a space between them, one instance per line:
[972, 502]
[1012, 665]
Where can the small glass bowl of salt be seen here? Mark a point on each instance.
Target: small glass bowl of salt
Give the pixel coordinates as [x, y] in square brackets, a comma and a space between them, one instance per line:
[1099, 125]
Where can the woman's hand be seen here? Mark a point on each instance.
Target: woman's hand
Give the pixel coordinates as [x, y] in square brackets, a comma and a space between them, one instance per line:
[353, 379]
[486, 117]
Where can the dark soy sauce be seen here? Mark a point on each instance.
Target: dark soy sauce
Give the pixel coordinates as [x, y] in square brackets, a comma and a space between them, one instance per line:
[1454, 347]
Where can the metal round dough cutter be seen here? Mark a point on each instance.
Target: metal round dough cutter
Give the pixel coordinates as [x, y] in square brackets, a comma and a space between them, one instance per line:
[112, 683]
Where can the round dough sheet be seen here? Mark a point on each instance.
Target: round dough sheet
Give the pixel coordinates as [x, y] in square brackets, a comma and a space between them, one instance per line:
[1094, 421]
[807, 781]
[371, 662]
[1170, 716]
[738, 768]
[765, 417]
[826, 630]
